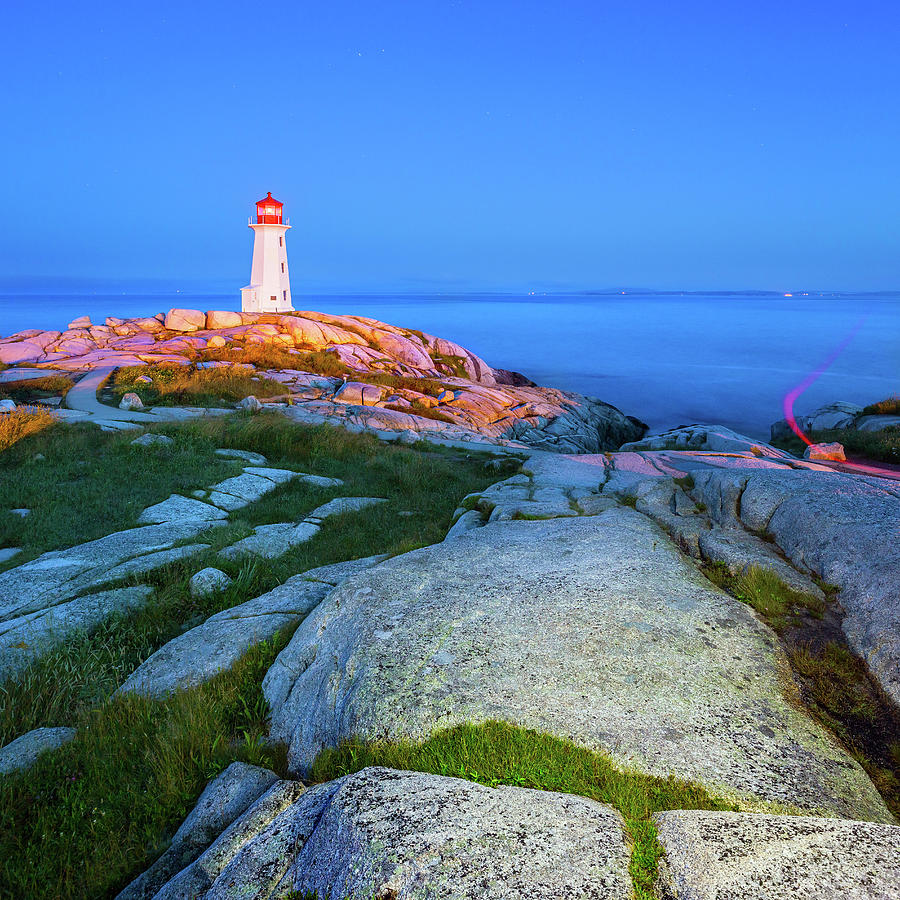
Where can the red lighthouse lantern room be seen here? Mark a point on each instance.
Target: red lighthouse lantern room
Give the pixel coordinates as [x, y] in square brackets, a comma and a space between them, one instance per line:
[268, 211]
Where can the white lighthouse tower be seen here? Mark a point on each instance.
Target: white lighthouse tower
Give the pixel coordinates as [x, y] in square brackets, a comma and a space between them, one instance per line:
[270, 286]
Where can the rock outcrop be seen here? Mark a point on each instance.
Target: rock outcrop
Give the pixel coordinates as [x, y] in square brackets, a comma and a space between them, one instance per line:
[383, 833]
[758, 857]
[592, 628]
[473, 403]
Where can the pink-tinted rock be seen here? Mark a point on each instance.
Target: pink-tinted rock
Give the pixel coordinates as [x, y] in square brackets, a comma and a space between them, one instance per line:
[359, 393]
[137, 340]
[156, 358]
[180, 344]
[80, 322]
[19, 351]
[25, 335]
[216, 341]
[834, 451]
[404, 349]
[76, 346]
[318, 334]
[216, 318]
[185, 320]
[112, 322]
[150, 325]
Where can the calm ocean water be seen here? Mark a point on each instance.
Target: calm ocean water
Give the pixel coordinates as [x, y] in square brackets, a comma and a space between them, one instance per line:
[668, 359]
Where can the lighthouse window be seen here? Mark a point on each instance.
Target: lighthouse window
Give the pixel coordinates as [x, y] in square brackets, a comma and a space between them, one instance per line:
[280, 241]
[282, 267]
[284, 293]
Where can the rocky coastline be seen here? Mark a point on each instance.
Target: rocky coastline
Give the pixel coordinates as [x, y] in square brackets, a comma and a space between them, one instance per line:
[660, 607]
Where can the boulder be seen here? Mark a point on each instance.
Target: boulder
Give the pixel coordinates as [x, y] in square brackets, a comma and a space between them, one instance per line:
[150, 325]
[7, 405]
[877, 423]
[19, 352]
[762, 857]
[131, 401]
[839, 414]
[593, 629]
[384, 833]
[23, 752]
[218, 318]
[216, 342]
[208, 581]
[359, 393]
[225, 798]
[185, 320]
[7, 553]
[80, 322]
[251, 404]
[833, 451]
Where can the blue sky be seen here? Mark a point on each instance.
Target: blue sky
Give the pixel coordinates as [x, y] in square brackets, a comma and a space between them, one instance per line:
[437, 145]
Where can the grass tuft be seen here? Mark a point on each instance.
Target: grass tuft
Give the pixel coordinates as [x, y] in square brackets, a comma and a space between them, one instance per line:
[495, 753]
[91, 815]
[20, 423]
[188, 386]
[888, 407]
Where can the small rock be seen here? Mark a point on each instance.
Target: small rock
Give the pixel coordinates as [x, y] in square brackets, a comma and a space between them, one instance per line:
[409, 437]
[251, 404]
[21, 512]
[144, 379]
[150, 440]
[131, 401]
[80, 322]
[38, 457]
[446, 396]
[7, 553]
[22, 753]
[833, 451]
[7, 405]
[256, 458]
[321, 481]
[208, 581]
[216, 341]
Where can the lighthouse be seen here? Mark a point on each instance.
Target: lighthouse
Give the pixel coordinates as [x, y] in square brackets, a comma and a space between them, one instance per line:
[270, 286]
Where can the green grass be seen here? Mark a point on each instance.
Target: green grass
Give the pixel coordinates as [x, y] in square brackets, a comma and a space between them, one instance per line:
[455, 364]
[92, 815]
[497, 753]
[835, 684]
[267, 356]
[91, 483]
[767, 594]
[403, 382]
[189, 386]
[87, 819]
[35, 389]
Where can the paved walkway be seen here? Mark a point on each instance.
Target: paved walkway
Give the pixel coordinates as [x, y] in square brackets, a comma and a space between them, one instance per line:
[82, 397]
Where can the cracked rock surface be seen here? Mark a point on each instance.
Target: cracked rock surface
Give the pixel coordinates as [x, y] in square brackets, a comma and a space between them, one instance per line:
[384, 833]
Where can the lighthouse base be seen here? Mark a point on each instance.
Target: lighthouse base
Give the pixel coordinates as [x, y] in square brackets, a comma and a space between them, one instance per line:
[253, 300]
